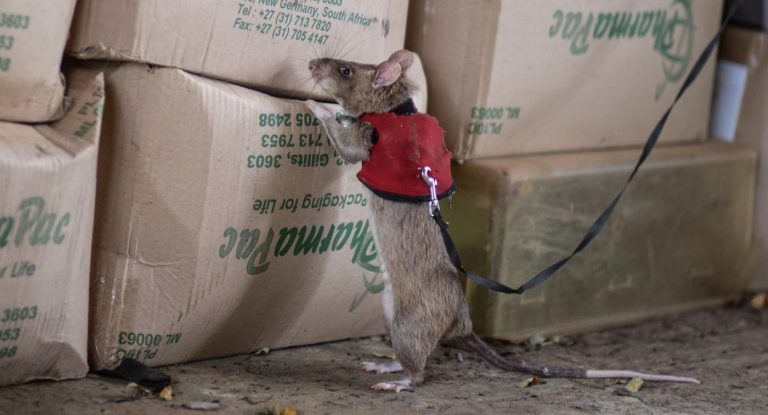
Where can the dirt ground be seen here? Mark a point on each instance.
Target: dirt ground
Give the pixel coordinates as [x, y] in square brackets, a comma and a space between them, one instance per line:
[727, 349]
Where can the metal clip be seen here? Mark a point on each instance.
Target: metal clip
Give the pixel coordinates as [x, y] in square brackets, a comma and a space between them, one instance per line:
[434, 204]
[345, 120]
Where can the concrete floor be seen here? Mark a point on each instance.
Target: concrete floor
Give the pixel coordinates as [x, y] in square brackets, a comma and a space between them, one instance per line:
[726, 348]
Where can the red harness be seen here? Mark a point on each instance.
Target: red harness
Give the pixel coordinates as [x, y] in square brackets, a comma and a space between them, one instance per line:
[406, 143]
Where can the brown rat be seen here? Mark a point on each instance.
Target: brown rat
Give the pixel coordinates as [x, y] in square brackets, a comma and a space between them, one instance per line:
[424, 301]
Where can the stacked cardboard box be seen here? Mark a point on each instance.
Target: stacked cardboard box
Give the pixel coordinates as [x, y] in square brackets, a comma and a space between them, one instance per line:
[47, 191]
[32, 38]
[513, 78]
[226, 222]
[678, 239]
[517, 77]
[260, 43]
[743, 75]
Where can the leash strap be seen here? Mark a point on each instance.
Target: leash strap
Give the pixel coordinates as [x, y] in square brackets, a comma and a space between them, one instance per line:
[453, 253]
[597, 226]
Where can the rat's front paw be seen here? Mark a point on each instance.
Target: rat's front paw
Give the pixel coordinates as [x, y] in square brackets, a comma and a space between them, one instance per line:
[321, 112]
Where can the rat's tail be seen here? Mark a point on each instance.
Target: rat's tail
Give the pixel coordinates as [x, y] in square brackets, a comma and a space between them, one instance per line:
[477, 345]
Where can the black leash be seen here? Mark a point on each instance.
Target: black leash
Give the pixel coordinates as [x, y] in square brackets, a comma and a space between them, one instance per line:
[597, 226]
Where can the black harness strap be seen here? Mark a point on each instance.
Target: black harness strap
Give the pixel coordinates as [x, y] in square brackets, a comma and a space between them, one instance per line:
[597, 226]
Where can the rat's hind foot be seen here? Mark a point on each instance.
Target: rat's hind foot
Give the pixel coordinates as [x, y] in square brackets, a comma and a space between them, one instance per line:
[391, 367]
[394, 386]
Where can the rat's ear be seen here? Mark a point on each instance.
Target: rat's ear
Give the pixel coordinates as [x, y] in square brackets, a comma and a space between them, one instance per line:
[403, 57]
[389, 71]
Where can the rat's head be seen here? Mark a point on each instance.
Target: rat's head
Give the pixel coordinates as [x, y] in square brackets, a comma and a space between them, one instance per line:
[361, 88]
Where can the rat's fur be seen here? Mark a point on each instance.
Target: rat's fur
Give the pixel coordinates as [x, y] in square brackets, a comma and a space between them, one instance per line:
[424, 302]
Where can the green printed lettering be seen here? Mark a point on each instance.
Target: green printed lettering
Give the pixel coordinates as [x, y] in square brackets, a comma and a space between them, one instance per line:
[632, 29]
[645, 23]
[343, 232]
[285, 241]
[326, 242]
[555, 28]
[248, 248]
[6, 225]
[244, 248]
[619, 25]
[306, 244]
[31, 209]
[224, 250]
[659, 28]
[304, 240]
[572, 23]
[603, 23]
[260, 253]
[580, 40]
[672, 39]
[42, 232]
[58, 236]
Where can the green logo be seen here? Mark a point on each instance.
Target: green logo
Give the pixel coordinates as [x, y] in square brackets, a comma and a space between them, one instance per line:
[258, 247]
[33, 224]
[373, 286]
[675, 45]
[671, 30]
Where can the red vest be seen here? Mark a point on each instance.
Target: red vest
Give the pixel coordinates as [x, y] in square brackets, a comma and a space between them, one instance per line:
[405, 143]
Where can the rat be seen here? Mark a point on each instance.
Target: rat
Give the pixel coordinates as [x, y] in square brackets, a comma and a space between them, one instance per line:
[424, 303]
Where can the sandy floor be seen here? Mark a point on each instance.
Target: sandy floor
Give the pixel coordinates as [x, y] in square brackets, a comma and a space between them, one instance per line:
[727, 349]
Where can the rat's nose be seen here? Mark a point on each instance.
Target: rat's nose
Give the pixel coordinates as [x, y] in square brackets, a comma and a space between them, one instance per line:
[313, 65]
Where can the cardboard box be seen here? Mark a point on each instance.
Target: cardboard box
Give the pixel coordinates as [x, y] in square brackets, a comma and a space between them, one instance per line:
[677, 240]
[752, 14]
[47, 192]
[32, 38]
[747, 52]
[520, 77]
[265, 44]
[226, 223]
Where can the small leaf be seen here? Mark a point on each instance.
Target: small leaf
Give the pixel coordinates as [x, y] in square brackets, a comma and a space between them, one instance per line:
[758, 301]
[533, 380]
[525, 383]
[537, 340]
[634, 385]
[166, 393]
[288, 411]
[388, 355]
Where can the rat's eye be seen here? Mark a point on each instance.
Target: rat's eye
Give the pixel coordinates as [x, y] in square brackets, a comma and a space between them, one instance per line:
[345, 71]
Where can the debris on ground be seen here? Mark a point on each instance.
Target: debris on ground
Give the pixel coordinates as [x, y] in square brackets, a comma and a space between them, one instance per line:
[758, 301]
[385, 355]
[132, 370]
[533, 380]
[203, 405]
[257, 399]
[262, 352]
[277, 411]
[634, 385]
[166, 394]
[724, 347]
[537, 340]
